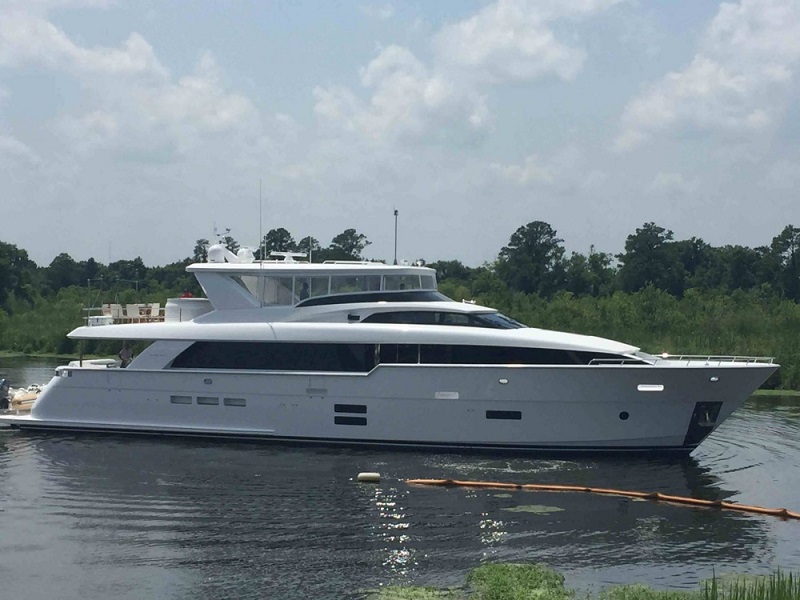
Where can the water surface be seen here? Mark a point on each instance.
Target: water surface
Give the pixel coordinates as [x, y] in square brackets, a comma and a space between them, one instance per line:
[87, 516]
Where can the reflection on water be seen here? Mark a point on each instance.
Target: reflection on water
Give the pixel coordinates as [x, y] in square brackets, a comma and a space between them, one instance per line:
[96, 516]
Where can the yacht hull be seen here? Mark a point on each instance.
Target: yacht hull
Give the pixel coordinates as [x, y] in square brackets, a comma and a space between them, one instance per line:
[667, 407]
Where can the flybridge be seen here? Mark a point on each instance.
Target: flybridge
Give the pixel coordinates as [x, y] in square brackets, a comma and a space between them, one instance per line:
[233, 281]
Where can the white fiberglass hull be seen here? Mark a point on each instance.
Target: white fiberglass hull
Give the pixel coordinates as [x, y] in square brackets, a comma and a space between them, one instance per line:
[583, 408]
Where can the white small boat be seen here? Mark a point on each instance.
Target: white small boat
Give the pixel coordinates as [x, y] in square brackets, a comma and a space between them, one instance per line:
[372, 354]
[19, 400]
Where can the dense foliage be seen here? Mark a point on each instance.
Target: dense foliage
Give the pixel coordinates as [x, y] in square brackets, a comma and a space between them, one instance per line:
[660, 294]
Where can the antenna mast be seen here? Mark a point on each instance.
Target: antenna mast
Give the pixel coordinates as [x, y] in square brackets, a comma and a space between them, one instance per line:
[261, 247]
[395, 236]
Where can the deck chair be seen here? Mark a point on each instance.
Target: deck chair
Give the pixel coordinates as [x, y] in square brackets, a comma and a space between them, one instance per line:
[155, 312]
[116, 312]
[132, 313]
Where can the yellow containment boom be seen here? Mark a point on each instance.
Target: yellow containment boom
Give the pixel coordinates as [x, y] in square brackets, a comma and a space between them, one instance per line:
[657, 496]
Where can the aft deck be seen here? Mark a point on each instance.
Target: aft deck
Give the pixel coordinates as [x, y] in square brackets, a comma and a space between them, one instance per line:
[113, 314]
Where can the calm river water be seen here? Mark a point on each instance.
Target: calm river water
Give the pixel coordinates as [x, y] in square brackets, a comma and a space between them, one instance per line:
[91, 517]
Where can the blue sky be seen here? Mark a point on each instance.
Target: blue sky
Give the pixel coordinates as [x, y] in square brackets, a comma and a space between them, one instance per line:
[132, 128]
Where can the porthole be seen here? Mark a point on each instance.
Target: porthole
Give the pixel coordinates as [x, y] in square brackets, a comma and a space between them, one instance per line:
[624, 415]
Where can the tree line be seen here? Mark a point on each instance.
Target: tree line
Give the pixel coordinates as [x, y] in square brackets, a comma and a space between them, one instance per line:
[659, 293]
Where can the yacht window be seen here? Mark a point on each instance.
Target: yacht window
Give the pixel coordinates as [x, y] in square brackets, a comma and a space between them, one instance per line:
[308, 287]
[502, 355]
[401, 282]
[428, 282]
[248, 282]
[482, 355]
[419, 317]
[397, 296]
[347, 284]
[320, 286]
[276, 290]
[435, 354]
[277, 356]
[399, 353]
[448, 318]
[411, 317]
[271, 290]
[496, 321]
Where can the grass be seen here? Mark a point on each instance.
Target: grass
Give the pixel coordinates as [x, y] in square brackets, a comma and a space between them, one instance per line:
[517, 582]
[777, 586]
[538, 582]
[776, 393]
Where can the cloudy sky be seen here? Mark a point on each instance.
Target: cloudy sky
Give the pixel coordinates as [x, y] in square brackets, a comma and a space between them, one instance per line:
[133, 127]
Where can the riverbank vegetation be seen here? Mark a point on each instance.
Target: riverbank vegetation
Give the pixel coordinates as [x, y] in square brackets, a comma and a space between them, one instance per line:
[661, 294]
[526, 581]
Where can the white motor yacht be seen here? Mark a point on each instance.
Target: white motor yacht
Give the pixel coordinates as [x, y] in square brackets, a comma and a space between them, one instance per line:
[372, 354]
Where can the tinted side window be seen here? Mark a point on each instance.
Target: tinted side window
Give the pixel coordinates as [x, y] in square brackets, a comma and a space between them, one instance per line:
[502, 355]
[277, 356]
[415, 317]
[399, 354]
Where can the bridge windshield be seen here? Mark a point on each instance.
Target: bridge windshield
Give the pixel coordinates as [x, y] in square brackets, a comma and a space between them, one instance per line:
[292, 289]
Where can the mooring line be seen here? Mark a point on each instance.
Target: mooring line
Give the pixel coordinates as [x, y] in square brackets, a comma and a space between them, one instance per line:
[655, 496]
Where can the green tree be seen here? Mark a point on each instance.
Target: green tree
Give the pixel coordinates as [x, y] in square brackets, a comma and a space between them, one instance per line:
[451, 269]
[17, 273]
[785, 249]
[309, 245]
[63, 272]
[695, 256]
[276, 240]
[734, 268]
[348, 245]
[200, 251]
[651, 258]
[533, 260]
[125, 274]
[90, 269]
[591, 275]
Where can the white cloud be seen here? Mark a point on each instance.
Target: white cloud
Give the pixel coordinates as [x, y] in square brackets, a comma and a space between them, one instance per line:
[746, 56]
[783, 176]
[159, 121]
[381, 12]
[198, 100]
[29, 38]
[530, 171]
[89, 132]
[42, 6]
[445, 99]
[132, 103]
[671, 183]
[508, 40]
[407, 100]
[12, 148]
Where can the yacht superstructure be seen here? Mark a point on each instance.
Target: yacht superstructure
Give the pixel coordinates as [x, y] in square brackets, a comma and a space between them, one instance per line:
[369, 353]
